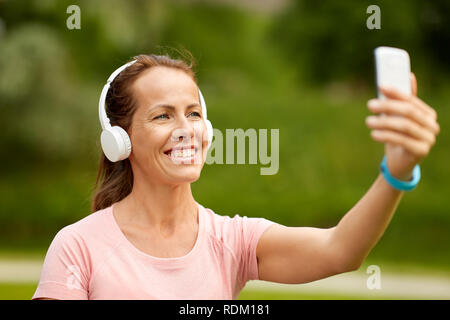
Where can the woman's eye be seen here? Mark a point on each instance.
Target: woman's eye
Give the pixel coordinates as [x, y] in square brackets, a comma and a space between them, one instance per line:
[166, 115]
[198, 114]
[159, 117]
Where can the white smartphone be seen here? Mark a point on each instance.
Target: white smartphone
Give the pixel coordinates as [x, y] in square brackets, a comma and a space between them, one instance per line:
[392, 68]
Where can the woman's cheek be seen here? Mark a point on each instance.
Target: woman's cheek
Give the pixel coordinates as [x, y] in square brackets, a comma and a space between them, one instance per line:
[200, 131]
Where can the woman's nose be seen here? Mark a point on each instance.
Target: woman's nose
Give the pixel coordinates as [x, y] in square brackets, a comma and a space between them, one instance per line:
[184, 130]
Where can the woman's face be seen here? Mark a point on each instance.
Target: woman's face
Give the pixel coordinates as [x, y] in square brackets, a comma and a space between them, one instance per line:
[168, 116]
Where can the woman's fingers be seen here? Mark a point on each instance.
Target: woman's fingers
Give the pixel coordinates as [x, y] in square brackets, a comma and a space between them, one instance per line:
[418, 101]
[392, 93]
[405, 120]
[419, 148]
[401, 108]
[401, 125]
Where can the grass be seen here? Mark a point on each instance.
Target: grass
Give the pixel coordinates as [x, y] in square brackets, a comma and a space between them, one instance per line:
[13, 291]
[17, 291]
[247, 294]
[24, 291]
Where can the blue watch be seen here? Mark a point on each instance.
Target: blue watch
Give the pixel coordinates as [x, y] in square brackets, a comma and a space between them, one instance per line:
[398, 184]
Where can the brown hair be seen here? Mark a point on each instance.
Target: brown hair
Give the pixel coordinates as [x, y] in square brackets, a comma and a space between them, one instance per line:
[115, 179]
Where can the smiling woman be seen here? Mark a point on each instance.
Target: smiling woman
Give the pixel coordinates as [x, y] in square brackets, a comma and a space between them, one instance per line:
[147, 237]
[117, 177]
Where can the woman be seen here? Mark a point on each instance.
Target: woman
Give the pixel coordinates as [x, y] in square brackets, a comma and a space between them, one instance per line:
[147, 237]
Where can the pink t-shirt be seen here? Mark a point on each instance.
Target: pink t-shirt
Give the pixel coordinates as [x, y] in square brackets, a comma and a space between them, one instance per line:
[92, 259]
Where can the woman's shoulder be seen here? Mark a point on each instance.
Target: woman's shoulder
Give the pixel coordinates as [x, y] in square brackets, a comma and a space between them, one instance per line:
[231, 220]
[92, 228]
[232, 226]
[227, 225]
[214, 222]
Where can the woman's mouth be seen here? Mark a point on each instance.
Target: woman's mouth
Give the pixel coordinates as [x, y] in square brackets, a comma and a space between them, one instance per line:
[184, 155]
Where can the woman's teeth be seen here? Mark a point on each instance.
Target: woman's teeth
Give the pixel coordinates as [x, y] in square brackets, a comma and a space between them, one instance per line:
[182, 155]
[187, 153]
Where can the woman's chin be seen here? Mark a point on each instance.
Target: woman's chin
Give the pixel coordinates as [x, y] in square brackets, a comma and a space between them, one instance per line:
[187, 177]
[184, 173]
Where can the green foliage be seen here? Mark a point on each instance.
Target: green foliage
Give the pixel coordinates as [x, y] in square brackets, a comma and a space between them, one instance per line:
[51, 78]
[19, 291]
[329, 40]
[251, 294]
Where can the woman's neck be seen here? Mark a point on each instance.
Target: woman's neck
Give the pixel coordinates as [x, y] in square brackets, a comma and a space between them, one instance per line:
[163, 207]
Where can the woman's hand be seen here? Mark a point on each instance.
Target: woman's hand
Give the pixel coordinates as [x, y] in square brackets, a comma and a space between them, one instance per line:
[409, 137]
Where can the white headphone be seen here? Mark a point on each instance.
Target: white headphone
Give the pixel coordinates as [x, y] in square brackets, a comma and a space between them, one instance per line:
[116, 143]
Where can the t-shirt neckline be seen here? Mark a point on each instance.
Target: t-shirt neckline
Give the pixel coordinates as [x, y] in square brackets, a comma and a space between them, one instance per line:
[157, 260]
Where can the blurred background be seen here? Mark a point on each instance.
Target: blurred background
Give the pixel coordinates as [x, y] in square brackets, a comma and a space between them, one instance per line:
[303, 67]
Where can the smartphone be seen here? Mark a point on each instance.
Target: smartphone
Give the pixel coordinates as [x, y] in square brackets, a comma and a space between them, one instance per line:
[393, 69]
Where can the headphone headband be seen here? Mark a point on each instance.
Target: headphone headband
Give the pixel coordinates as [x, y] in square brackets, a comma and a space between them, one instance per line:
[104, 120]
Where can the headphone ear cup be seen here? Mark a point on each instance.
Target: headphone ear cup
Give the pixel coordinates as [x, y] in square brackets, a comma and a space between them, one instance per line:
[126, 142]
[116, 144]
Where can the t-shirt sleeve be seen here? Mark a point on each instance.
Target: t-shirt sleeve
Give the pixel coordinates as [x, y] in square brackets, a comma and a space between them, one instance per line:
[66, 270]
[249, 230]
